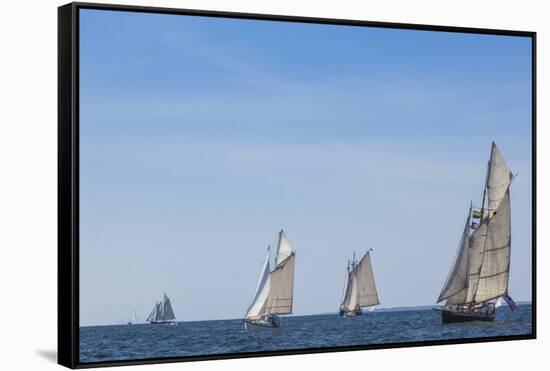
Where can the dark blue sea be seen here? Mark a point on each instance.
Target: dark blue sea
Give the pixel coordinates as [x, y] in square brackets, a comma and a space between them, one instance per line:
[124, 342]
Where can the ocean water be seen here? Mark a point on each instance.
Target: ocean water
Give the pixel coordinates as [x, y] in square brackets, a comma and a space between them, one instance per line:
[123, 342]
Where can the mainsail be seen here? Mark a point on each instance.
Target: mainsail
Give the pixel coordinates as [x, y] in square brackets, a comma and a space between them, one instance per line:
[481, 268]
[279, 300]
[360, 288]
[162, 311]
[274, 292]
[495, 266]
[168, 312]
[368, 296]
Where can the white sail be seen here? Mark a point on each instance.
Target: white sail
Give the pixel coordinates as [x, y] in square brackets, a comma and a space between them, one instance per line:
[475, 258]
[132, 319]
[279, 300]
[153, 315]
[456, 285]
[159, 313]
[162, 311]
[360, 290]
[260, 294]
[284, 250]
[492, 278]
[353, 301]
[274, 292]
[347, 291]
[495, 268]
[168, 312]
[487, 258]
[498, 180]
[366, 287]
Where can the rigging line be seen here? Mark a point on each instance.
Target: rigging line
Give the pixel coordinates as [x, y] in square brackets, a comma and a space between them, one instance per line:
[513, 178]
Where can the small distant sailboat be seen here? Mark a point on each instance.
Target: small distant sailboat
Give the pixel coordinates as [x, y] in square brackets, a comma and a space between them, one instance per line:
[479, 275]
[274, 292]
[162, 313]
[359, 288]
[133, 320]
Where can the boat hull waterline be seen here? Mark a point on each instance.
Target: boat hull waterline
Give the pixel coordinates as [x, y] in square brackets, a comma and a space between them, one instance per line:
[261, 324]
[449, 316]
[171, 323]
[358, 312]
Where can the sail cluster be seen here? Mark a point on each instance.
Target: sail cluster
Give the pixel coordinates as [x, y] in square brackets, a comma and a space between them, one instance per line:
[274, 292]
[360, 289]
[481, 267]
[162, 311]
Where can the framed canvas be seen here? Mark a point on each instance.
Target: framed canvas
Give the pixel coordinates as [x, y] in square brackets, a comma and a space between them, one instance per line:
[241, 185]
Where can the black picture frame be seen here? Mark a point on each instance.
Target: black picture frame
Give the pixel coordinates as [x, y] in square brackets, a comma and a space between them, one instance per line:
[68, 179]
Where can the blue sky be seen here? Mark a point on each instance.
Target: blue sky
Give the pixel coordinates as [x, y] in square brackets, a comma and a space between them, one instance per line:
[201, 137]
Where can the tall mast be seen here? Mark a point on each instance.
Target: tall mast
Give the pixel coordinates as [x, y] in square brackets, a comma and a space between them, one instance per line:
[485, 191]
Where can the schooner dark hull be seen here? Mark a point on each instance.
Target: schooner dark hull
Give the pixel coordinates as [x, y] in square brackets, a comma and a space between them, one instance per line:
[357, 312]
[449, 316]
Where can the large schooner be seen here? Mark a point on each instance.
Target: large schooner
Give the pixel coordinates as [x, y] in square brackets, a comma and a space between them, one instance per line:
[274, 292]
[162, 313]
[480, 272]
[359, 288]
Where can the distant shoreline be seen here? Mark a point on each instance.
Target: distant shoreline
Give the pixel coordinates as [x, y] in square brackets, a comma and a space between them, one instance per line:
[390, 309]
